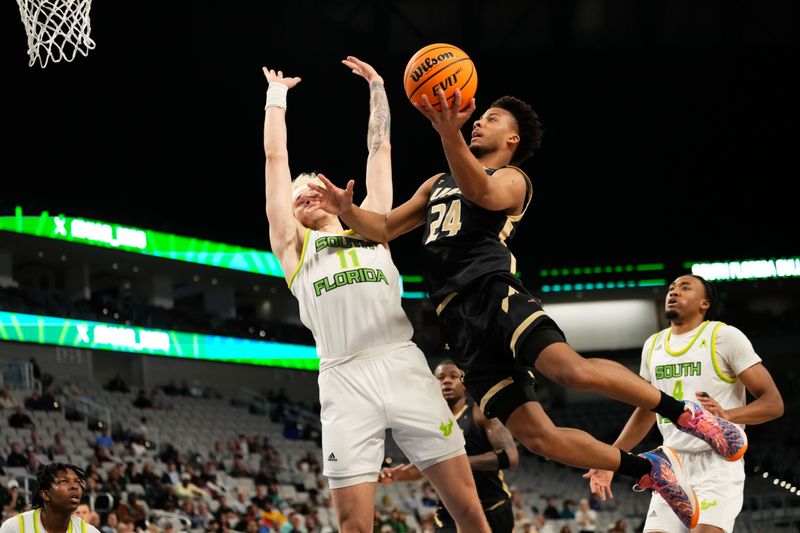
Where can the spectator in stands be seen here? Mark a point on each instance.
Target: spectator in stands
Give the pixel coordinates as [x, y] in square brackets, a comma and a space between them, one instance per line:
[13, 501]
[34, 401]
[84, 511]
[16, 457]
[111, 523]
[172, 476]
[260, 496]
[57, 447]
[295, 524]
[105, 438]
[7, 400]
[48, 400]
[132, 509]
[242, 503]
[142, 401]
[585, 517]
[620, 526]
[37, 371]
[117, 384]
[19, 419]
[568, 510]
[34, 463]
[203, 516]
[240, 468]
[102, 454]
[116, 483]
[187, 490]
[550, 509]
[36, 443]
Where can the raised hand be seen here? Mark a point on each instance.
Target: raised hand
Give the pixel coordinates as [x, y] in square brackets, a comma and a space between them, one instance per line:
[448, 120]
[278, 77]
[332, 199]
[600, 482]
[365, 70]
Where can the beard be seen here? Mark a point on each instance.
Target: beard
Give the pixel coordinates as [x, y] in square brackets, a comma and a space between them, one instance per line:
[671, 314]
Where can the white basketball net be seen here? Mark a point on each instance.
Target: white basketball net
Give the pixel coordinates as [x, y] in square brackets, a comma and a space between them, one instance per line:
[57, 29]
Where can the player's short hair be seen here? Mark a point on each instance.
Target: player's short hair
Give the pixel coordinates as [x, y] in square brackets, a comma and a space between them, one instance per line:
[300, 183]
[47, 475]
[448, 362]
[711, 295]
[528, 124]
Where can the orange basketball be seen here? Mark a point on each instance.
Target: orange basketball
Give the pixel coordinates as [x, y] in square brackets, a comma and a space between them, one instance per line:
[444, 66]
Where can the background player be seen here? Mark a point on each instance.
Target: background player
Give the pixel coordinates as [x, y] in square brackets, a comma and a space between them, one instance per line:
[490, 447]
[715, 364]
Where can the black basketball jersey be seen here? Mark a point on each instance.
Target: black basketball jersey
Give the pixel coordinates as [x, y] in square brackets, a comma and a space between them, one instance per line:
[463, 241]
[492, 490]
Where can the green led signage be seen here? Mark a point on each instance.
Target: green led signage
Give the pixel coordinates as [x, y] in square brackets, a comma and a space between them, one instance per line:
[147, 242]
[19, 327]
[155, 243]
[742, 270]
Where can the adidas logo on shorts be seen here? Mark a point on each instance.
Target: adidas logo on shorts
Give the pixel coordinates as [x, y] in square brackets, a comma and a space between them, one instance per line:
[652, 514]
[332, 457]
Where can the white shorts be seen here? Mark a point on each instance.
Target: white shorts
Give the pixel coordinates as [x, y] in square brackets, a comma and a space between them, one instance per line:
[362, 398]
[719, 485]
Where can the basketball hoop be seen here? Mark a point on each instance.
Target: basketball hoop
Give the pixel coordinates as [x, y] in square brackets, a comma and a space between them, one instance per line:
[57, 29]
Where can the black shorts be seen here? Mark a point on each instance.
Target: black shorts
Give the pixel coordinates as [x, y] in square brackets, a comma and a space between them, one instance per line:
[485, 327]
[501, 519]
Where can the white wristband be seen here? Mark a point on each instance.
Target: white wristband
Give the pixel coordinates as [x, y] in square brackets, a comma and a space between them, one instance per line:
[276, 95]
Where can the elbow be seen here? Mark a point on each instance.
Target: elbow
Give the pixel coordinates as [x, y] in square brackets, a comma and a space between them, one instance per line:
[778, 409]
[275, 154]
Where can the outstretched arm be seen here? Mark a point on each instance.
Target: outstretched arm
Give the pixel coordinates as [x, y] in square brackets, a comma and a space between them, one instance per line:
[379, 162]
[369, 224]
[284, 229]
[505, 190]
[635, 430]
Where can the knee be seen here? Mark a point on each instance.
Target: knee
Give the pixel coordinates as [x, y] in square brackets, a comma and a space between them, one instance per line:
[353, 525]
[467, 511]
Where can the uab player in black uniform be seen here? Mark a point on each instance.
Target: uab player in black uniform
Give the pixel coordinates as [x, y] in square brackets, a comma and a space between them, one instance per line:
[490, 449]
[499, 330]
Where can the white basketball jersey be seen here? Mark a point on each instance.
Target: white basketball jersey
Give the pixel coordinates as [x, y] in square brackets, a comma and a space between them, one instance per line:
[349, 294]
[707, 359]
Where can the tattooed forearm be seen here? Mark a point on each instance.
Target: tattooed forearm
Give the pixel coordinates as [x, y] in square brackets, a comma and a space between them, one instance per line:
[379, 119]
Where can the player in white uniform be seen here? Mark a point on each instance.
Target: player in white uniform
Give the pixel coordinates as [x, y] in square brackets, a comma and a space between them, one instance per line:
[57, 493]
[714, 363]
[372, 377]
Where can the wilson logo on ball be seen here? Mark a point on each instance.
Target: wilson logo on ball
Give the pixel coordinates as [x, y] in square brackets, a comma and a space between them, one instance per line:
[444, 67]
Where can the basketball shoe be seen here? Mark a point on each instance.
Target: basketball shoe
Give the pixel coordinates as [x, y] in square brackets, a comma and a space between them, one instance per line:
[724, 437]
[667, 479]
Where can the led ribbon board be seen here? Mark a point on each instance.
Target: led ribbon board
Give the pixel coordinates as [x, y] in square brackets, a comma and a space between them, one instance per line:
[599, 277]
[788, 267]
[19, 327]
[143, 241]
[155, 243]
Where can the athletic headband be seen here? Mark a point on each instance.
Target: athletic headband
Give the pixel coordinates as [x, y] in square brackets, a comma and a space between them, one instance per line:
[300, 189]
